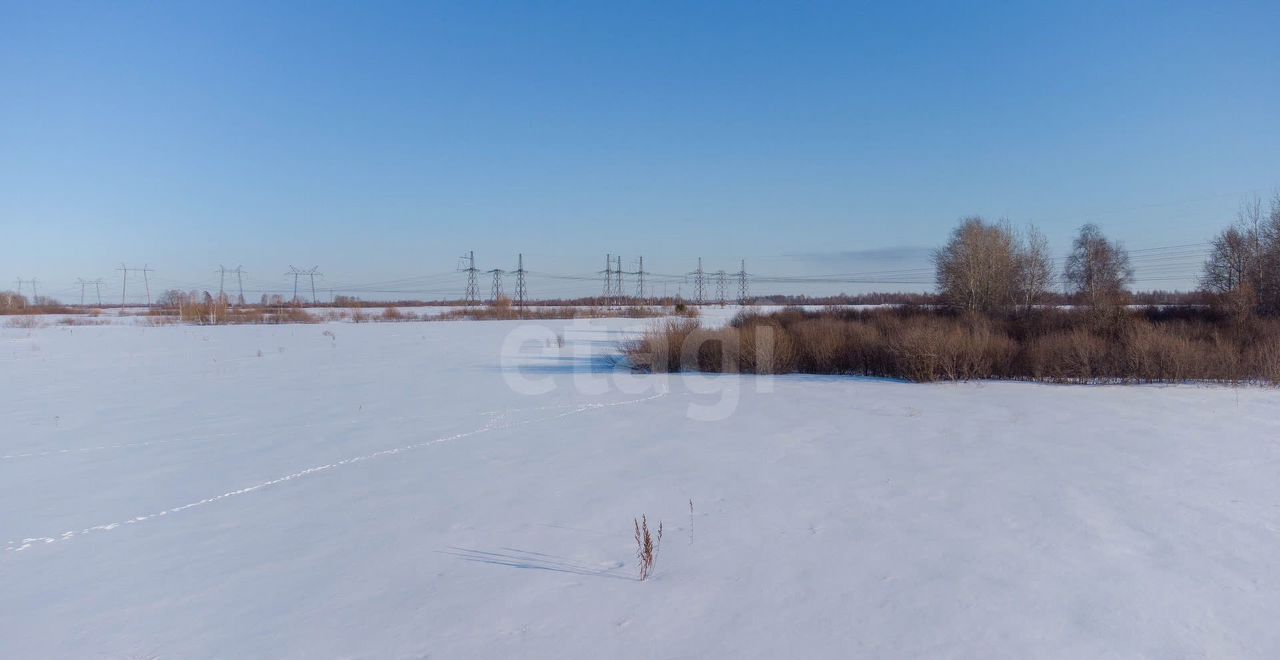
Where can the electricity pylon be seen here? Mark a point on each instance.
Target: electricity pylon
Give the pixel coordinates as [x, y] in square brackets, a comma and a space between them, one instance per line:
[472, 295]
[495, 292]
[640, 273]
[520, 288]
[699, 284]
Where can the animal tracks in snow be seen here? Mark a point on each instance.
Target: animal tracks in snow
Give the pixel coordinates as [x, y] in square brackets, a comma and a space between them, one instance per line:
[493, 424]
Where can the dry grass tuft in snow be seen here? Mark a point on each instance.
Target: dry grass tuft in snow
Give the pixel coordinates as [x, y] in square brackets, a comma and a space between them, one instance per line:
[646, 546]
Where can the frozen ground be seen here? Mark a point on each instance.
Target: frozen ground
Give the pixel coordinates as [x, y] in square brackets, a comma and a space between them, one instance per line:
[413, 490]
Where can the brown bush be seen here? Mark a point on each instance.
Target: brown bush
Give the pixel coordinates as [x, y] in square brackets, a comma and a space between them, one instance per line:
[660, 348]
[394, 314]
[822, 343]
[290, 315]
[766, 348]
[1152, 354]
[1263, 359]
[1073, 356]
[25, 322]
[78, 321]
[940, 348]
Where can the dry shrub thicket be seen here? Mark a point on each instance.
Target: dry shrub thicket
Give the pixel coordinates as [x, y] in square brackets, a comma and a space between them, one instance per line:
[82, 321]
[922, 345]
[26, 322]
[12, 302]
[198, 308]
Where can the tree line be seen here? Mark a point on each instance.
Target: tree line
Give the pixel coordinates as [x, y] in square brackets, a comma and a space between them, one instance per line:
[992, 267]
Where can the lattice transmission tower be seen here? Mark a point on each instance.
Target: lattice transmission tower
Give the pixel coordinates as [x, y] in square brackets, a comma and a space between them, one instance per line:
[467, 264]
[521, 292]
[699, 284]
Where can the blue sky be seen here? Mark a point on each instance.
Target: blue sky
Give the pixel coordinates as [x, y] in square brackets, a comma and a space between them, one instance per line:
[381, 140]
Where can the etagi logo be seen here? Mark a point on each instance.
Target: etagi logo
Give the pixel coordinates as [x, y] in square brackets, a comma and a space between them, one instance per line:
[595, 357]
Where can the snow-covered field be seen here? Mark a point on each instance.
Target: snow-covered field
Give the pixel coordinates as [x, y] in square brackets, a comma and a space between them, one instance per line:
[467, 490]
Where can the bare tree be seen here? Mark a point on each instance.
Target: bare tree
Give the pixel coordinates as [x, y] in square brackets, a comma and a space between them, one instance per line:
[986, 267]
[1243, 266]
[1230, 264]
[1231, 268]
[977, 270]
[1251, 222]
[1035, 266]
[1269, 260]
[1098, 269]
[11, 302]
[171, 299]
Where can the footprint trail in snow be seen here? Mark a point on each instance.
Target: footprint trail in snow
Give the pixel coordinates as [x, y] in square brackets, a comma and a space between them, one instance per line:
[492, 425]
